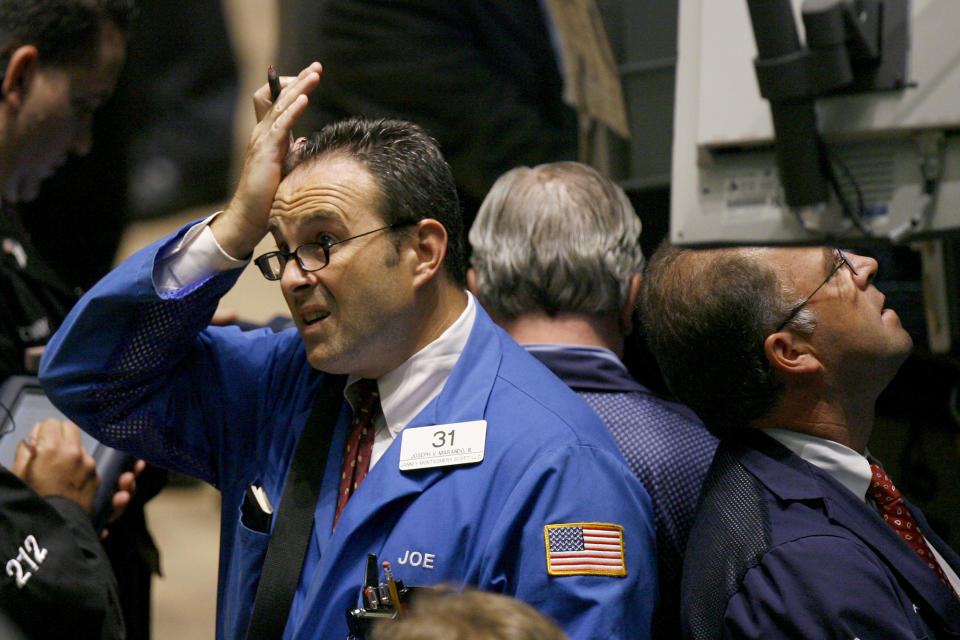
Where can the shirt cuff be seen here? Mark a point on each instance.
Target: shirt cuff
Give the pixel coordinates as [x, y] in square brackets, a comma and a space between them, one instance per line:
[195, 257]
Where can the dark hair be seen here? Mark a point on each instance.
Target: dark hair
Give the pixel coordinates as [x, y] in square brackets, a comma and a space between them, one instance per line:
[65, 32]
[706, 314]
[414, 180]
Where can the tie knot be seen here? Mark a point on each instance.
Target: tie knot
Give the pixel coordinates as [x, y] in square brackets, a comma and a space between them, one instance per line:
[367, 395]
[882, 488]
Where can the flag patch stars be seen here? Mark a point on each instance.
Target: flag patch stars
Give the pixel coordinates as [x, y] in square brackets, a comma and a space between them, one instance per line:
[584, 548]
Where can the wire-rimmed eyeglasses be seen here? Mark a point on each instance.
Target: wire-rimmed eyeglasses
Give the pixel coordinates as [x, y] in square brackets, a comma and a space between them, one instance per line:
[311, 256]
[842, 260]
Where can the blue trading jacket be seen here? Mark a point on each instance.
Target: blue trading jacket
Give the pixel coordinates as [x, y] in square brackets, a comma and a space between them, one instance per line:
[144, 373]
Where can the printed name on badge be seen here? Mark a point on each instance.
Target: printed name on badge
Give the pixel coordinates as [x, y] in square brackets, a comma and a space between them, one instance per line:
[442, 445]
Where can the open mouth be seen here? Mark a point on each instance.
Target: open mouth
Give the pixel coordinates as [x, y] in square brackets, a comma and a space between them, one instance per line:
[313, 317]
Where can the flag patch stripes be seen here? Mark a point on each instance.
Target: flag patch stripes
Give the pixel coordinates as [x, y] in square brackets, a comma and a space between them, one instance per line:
[584, 548]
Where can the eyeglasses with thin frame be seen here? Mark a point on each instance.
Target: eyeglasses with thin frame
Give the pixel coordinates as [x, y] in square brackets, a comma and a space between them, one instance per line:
[311, 256]
[841, 261]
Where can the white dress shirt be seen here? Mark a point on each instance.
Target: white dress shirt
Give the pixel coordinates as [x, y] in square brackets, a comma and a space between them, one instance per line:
[405, 391]
[196, 256]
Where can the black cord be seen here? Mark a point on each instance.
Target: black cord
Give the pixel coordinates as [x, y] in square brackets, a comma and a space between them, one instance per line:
[855, 214]
[13, 423]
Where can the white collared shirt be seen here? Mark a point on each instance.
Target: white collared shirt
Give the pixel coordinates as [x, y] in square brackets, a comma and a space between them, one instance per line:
[404, 392]
[847, 467]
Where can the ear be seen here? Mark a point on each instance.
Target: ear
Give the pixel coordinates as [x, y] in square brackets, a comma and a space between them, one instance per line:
[19, 75]
[431, 248]
[630, 304]
[790, 353]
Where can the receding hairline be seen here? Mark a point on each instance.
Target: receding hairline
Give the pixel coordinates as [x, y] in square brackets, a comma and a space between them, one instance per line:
[337, 155]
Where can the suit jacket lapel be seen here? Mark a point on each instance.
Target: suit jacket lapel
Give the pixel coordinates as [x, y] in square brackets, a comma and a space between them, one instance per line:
[951, 556]
[788, 476]
[463, 398]
[847, 511]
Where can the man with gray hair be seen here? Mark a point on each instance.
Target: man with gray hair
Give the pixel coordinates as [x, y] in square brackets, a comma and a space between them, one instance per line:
[800, 533]
[556, 262]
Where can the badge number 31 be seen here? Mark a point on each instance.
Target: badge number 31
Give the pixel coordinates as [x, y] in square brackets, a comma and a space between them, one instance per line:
[443, 445]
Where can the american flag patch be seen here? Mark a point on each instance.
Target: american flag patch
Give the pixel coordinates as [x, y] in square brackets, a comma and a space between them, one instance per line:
[584, 548]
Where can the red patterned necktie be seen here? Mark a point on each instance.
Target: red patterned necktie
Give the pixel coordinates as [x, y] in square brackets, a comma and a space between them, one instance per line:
[359, 446]
[894, 510]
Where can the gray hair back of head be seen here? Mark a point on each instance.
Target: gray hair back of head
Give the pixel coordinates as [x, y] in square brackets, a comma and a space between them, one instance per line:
[555, 238]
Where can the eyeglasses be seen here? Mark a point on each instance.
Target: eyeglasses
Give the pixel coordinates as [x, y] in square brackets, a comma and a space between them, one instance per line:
[841, 259]
[312, 256]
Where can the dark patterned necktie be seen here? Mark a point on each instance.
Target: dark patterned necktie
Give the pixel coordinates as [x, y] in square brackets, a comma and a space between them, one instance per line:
[895, 512]
[359, 446]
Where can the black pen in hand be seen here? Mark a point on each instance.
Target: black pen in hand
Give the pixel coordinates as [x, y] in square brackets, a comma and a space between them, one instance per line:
[274, 81]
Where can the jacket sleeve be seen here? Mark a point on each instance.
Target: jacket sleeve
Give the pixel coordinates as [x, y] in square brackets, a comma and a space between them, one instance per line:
[143, 372]
[566, 489]
[58, 582]
[821, 587]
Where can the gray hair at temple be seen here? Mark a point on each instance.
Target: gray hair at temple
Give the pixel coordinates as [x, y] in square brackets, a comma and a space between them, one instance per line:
[557, 238]
[705, 315]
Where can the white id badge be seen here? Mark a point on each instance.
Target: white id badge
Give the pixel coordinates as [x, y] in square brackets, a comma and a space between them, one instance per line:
[442, 445]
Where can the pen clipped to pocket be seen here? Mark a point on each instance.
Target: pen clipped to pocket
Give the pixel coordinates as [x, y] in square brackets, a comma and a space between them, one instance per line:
[256, 512]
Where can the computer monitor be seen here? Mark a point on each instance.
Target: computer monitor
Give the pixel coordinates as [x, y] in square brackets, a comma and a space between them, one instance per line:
[895, 152]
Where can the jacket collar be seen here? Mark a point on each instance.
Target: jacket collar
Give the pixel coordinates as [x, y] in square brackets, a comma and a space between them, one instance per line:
[18, 253]
[585, 368]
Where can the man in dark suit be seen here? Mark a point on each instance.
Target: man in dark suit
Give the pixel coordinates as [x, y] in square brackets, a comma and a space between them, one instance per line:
[556, 262]
[783, 353]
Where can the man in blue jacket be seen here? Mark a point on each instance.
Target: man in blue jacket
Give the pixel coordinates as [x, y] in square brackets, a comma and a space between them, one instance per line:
[557, 262]
[800, 533]
[537, 504]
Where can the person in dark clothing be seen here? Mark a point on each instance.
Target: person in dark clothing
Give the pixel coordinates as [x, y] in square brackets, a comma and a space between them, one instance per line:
[481, 77]
[59, 60]
[799, 533]
[180, 77]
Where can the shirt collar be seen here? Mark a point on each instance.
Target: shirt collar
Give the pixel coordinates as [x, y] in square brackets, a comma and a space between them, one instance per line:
[842, 463]
[406, 390]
